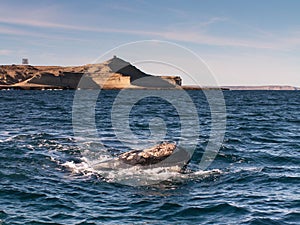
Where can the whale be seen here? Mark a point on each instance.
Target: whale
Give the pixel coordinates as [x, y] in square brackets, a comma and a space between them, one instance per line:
[165, 154]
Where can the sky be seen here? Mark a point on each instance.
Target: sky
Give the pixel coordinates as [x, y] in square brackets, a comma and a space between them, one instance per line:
[242, 42]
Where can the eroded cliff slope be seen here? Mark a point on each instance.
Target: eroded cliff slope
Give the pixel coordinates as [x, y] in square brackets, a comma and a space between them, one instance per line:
[114, 73]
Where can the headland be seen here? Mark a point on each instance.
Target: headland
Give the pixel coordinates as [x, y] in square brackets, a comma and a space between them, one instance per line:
[115, 73]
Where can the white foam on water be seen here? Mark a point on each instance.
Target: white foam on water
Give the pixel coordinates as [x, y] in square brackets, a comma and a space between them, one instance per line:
[79, 168]
[247, 169]
[135, 175]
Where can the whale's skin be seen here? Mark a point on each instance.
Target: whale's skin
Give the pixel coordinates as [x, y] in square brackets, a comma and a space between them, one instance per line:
[161, 155]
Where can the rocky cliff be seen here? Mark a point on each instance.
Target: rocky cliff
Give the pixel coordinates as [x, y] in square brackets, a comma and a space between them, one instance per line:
[112, 74]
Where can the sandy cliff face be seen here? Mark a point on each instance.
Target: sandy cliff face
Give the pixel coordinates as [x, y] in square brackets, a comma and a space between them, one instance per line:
[12, 74]
[114, 73]
[16, 73]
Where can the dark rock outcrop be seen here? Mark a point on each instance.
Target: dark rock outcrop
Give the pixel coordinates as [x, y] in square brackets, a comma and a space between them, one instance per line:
[138, 77]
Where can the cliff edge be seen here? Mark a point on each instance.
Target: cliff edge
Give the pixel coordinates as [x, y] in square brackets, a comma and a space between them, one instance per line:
[112, 74]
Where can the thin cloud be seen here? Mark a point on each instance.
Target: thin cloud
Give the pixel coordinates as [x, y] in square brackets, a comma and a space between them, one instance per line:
[35, 23]
[5, 52]
[203, 38]
[21, 33]
[11, 31]
[186, 36]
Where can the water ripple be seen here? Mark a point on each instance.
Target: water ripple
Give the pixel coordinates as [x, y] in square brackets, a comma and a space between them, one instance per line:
[46, 180]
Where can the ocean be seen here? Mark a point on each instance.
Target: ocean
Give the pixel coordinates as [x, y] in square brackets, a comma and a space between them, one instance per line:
[46, 175]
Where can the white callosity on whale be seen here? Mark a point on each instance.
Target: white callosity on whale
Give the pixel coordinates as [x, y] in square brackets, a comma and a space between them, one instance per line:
[148, 156]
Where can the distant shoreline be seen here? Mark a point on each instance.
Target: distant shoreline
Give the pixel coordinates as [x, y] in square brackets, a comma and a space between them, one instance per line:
[184, 87]
[246, 88]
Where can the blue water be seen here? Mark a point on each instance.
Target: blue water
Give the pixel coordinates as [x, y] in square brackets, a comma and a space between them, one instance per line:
[45, 179]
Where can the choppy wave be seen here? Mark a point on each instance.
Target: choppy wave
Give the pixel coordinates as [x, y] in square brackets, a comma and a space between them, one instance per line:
[47, 178]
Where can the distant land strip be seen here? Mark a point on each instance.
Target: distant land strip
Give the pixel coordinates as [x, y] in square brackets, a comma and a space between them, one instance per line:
[184, 87]
[245, 88]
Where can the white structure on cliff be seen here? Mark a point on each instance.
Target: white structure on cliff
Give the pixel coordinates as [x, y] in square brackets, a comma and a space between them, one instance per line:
[25, 61]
